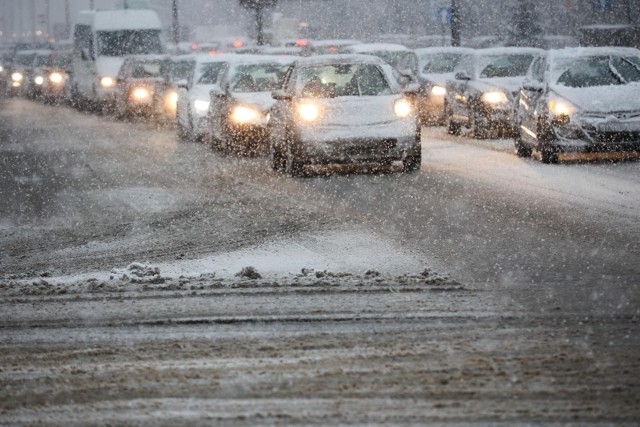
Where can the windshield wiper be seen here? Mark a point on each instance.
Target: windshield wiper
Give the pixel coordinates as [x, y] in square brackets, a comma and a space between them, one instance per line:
[615, 72]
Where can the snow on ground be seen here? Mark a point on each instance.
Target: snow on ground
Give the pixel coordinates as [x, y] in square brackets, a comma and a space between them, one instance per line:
[345, 251]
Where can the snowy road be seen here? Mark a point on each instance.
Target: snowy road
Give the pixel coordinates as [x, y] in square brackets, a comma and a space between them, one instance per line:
[528, 312]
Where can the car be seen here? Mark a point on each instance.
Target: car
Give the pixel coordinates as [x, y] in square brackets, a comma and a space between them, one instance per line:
[483, 92]
[192, 108]
[142, 87]
[38, 74]
[580, 102]
[240, 105]
[436, 65]
[21, 72]
[402, 59]
[58, 77]
[342, 109]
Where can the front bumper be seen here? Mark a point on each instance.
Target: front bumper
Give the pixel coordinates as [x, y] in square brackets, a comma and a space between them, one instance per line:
[587, 138]
[372, 143]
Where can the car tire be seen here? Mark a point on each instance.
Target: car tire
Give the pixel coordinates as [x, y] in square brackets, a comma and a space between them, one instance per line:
[453, 127]
[294, 164]
[413, 160]
[477, 130]
[548, 154]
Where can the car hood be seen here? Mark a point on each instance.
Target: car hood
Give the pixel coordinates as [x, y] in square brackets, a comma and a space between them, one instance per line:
[201, 92]
[108, 66]
[439, 79]
[262, 100]
[602, 99]
[511, 85]
[353, 111]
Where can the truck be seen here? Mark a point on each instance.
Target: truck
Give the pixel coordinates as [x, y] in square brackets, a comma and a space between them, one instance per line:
[101, 39]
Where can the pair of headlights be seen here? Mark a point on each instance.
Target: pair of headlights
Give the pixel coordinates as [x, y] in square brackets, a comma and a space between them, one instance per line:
[310, 112]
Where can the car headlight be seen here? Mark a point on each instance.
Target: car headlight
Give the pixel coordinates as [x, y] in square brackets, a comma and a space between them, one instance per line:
[141, 93]
[107, 82]
[560, 107]
[171, 100]
[56, 78]
[308, 112]
[495, 97]
[1, 68]
[39, 80]
[242, 114]
[402, 108]
[438, 91]
[17, 77]
[201, 106]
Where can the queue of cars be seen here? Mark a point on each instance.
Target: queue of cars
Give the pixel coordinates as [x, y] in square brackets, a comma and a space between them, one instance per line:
[347, 101]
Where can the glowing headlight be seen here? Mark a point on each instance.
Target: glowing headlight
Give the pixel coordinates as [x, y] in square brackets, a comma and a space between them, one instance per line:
[141, 93]
[495, 98]
[1, 68]
[561, 108]
[107, 82]
[38, 80]
[16, 77]
[201, 106]
[402, 108]
[438, 91]
[244, 114]
[308, 112]
[56, 78]
[172, 100]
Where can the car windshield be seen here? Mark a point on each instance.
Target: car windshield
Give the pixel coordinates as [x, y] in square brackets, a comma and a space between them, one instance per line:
[327, 81]
[440, 62]
[209, 73]
[129, 42]
[63, 62]
[146, 69]
[258, 77]
[601, 71]
[505, 65]
[181, 70]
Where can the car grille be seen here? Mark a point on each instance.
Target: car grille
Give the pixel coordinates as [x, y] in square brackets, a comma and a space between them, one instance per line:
[614, 137]
[372, 147]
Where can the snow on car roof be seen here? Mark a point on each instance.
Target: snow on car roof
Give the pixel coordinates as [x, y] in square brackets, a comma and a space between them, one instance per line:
[340, 59]
[443, 49]
[376, 47]
[151, 57]
[591, 51]
[507, 51]
[262, 59]
[319, 43]
[122, 19]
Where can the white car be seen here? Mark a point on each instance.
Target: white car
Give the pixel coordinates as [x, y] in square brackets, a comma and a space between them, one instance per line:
[343, 109]
[193, 102]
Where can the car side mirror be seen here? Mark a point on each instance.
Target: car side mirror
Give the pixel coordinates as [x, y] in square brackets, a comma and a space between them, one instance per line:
[462, 75]
[533, 86]
[412, 89]
[182, 84]
[281, 95]
[217, 93]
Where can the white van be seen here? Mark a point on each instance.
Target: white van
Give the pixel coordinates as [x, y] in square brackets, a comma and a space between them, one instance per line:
[101, 41]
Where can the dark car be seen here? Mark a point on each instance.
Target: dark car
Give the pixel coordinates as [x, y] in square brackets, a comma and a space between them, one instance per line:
[143, 85]
[58, 76]
[581, 102]
[483, 91]
[240, 106]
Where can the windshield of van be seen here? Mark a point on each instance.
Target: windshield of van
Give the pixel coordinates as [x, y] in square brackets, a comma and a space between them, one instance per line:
[129, 42]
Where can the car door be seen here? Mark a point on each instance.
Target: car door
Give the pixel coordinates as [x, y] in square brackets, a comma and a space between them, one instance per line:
[531, 99]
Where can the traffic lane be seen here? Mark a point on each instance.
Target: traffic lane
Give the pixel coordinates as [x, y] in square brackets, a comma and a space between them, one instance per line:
[489, 217]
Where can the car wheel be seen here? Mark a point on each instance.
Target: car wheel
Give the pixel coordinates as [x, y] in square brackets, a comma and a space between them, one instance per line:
[294, 164]
[453, 127]
[548, 154]
[522, 150]
[413, 159]
[477, 130]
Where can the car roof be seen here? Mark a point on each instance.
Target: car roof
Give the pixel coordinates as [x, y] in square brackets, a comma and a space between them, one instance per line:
[376, 47]
[591, 51]
[507, 51]
[340, 59]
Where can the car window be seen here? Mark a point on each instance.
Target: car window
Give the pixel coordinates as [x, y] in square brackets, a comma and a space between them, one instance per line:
[600, 71]
[343, 80]
[258, 77]
[145, 69]
[209, 73]
[505, 66]
[537, 69]
[181, 70]
[441, 62]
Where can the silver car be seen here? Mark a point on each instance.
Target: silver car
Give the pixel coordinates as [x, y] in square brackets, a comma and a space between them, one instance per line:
[582, 102]
[343, 109]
